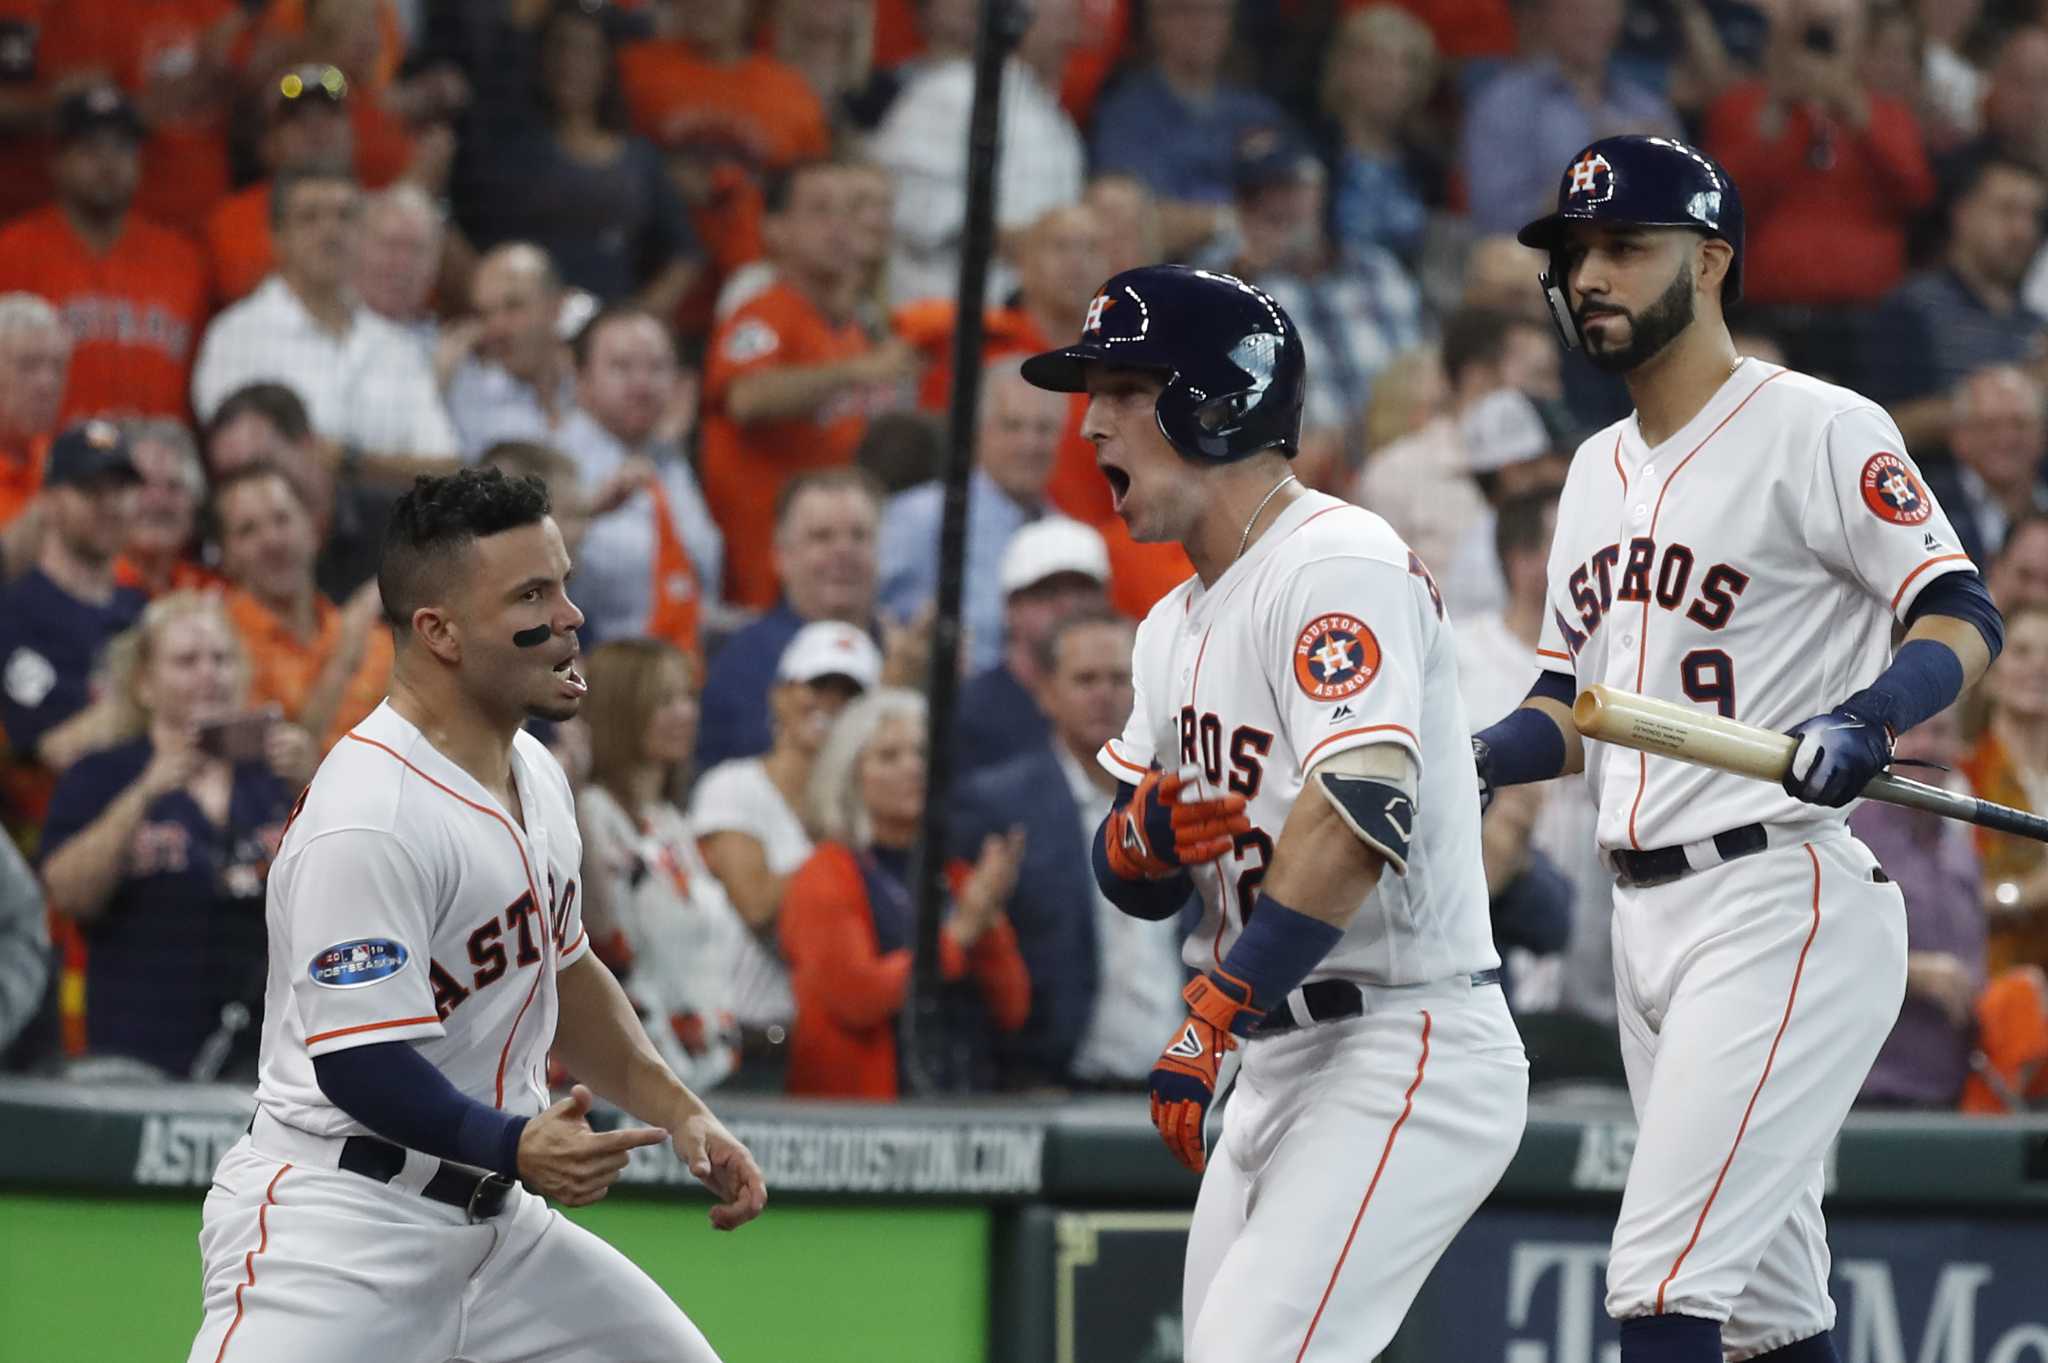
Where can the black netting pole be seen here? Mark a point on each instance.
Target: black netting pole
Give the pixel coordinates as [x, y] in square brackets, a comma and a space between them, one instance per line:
[932, 1056]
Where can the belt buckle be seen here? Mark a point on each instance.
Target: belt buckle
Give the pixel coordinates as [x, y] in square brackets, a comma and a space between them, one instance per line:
[496, 1184]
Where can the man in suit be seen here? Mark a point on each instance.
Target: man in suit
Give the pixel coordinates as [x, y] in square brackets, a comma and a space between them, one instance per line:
[1997, 477]
[1104, 987]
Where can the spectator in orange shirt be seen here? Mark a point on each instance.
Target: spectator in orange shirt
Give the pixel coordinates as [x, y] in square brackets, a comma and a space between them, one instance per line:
[132, 293]
[325, 667]
[730, 114]
[306, 124]
[401, 128]
[849, 925]
[790, 378]
[176, 59]
[35, 353]
[163, 539]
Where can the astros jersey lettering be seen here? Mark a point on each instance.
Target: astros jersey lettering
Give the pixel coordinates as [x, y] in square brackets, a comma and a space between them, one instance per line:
[1327, 635]
[405, 904]
[1753, 565]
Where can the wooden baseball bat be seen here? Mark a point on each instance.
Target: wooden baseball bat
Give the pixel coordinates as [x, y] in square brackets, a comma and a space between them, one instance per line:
[1686, 735]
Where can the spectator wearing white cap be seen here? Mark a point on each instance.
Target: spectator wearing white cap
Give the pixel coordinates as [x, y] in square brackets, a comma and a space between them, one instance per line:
[1508, 450]
[1051, 569]
[1422, 483]
[1015, 446]
[825, 527]
[745, 813]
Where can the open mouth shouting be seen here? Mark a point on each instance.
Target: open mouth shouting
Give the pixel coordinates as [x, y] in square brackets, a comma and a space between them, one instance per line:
[569, 678]
[1119, 482]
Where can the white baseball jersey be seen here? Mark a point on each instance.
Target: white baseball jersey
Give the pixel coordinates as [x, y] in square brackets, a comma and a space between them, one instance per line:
[1327, 635]
[407, 904]
[1752, 564]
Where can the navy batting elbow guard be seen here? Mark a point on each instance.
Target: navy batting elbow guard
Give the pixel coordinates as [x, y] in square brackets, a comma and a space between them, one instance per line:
[1379, 812]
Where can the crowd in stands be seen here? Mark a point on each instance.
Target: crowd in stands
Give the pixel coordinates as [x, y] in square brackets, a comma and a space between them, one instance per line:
[693, 264]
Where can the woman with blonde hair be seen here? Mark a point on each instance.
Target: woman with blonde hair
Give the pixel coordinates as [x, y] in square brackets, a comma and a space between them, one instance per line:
[1381, 69]
[849, 922]
[658, 916]
[156, 848]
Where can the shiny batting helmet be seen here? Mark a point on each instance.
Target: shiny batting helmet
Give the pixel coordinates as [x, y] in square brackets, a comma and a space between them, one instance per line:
[1641, 182]
[1231, 357]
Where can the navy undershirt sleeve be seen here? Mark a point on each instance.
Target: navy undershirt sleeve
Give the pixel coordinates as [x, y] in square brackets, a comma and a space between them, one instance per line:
[396, 1092]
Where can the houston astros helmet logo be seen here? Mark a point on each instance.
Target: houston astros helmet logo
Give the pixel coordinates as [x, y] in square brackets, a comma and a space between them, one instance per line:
[1098, 305]
[1892, 492]
[1592, 179]
[1335, 656]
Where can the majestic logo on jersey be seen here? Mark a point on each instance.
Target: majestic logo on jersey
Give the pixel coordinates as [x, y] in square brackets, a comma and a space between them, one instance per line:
[349, 965]
[1098, 305]
[1892, 492]
[1592, 179]
[1335, 656]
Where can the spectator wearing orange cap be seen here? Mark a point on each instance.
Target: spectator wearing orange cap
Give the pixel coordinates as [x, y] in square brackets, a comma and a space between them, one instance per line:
[790, 378]
[133, 293]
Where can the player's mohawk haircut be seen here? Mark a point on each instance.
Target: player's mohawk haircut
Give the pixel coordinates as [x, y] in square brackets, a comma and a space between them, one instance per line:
[442, 515]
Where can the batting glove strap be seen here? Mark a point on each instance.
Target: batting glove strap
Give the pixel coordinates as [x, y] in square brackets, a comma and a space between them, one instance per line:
[1183, 1082]
[1838, 754]
[1156, 833]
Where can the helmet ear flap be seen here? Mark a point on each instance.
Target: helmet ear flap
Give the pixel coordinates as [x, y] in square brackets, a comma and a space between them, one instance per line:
[1560, 306]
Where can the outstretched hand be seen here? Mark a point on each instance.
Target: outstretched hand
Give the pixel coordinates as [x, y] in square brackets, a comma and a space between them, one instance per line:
[719, 1162]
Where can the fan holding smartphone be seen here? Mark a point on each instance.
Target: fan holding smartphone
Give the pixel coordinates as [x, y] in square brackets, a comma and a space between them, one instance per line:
[158, 846]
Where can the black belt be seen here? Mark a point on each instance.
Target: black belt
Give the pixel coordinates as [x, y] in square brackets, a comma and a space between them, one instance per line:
[479, 1193]
[1335, 1000]
[1662, 865]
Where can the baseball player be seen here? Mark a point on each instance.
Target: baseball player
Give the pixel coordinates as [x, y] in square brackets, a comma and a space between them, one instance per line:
[426, 953]
[1294, 754]
[1746, 542]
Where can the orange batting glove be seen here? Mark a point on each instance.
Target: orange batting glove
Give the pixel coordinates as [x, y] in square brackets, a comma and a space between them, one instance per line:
[1183, 1083]
[1156, 834]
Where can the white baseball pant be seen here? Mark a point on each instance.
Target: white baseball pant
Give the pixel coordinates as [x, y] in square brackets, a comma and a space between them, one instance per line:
[1753, 997]
[1351, 1153]
[324, 1266]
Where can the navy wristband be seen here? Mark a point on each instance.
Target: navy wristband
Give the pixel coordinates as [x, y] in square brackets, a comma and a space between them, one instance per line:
[1924, 679]
[1277, 950]
[1526, 746]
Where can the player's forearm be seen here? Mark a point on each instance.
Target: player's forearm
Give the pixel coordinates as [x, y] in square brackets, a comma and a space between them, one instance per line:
[791, 391]
[1963, 638]
[1320, 867]
[600, 1039]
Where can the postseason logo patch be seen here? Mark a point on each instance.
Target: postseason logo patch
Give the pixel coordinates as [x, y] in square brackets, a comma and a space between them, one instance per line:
[1335, 656]
[1892, 492]
[366, 960]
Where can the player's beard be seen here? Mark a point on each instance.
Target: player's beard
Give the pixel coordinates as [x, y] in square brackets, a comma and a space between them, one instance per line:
[1650, 330]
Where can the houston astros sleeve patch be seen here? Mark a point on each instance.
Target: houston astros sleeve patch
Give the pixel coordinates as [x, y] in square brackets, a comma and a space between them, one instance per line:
[1892, 490]
[1335, 656]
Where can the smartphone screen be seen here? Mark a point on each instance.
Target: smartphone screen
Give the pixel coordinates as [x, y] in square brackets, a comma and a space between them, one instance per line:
[238, 739]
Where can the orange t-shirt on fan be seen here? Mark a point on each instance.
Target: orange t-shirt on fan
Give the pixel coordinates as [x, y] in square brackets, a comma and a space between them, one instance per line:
[134, 314]
[138, 43]
[745, 467]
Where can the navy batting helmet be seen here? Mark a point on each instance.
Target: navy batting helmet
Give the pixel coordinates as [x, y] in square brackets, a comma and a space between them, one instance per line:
[1231, 357]
[1643, 182]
